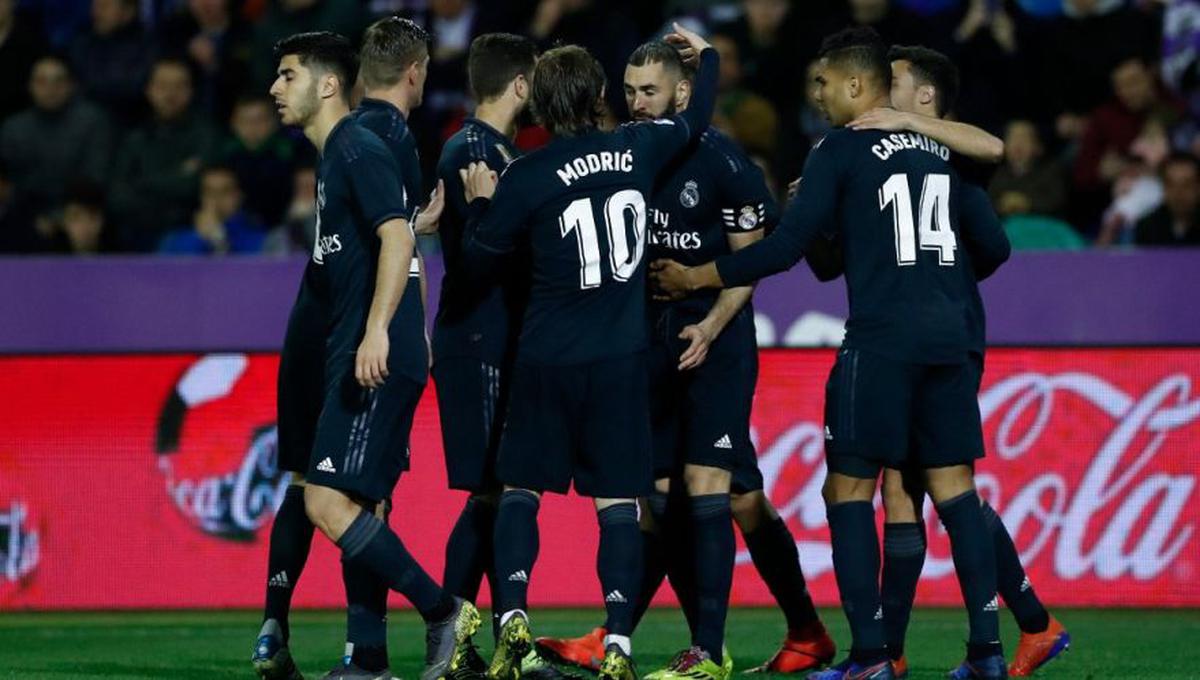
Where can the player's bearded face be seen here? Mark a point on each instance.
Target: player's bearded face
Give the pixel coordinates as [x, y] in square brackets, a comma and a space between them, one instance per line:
[649, 92]
[295, 92]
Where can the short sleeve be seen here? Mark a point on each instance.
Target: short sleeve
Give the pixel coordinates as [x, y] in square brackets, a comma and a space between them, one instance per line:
[746, 203]
[374, 176]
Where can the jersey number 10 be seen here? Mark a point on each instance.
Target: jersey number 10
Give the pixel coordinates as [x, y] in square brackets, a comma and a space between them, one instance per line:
[935, 231]
[623, 256]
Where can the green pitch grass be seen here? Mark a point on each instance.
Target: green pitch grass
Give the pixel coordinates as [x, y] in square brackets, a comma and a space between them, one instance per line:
[1107, 644]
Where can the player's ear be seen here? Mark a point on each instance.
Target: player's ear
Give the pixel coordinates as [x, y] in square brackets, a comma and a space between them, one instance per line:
[521, 86]
[853, 87]
[926, 94]
[683, 93]
[329, 86]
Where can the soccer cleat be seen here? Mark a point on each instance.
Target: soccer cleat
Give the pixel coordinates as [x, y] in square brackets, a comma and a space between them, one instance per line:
[514, 643]
[988, 668]
[660, 673]
[349, 671]
[802, 650]
[1035, 649]
[849, 670]
[586, 651]
[468, 664]
[273, 660]
[697, 664]
[616, 665]
[900, 668]
[444, 640]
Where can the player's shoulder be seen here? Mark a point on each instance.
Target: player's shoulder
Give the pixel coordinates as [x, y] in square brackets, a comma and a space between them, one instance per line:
[843, 138]
[716, 147]
[384, 119]
[354, 142]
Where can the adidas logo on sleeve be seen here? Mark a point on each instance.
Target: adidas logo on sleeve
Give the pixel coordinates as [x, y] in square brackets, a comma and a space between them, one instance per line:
[326, 466]
[723, 443]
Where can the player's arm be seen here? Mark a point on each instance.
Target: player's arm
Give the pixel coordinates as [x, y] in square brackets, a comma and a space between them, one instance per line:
[661, 140]
[810, 214]
[700, 336]
[982, 232]
[495, 217]
[824, 258]
[375, 180]
[967, 140]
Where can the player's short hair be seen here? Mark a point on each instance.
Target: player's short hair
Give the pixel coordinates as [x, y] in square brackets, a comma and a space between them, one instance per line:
[323, 52]
[860, 49]
[660, 52]
[568, 85]
[495, 59]
[930, 67]
[389, 47]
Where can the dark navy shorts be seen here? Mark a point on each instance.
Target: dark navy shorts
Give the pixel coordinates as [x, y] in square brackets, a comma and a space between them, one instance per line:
[361, 444]
[301, 383]
[589, 424]
[472, 396]
[882, 412]
[701, 416]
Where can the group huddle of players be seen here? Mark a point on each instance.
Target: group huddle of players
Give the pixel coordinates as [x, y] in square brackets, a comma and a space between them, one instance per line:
[595, 330]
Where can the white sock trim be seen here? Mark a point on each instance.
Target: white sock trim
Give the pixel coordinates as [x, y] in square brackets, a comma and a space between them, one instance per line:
[511, 613]
[621, 641]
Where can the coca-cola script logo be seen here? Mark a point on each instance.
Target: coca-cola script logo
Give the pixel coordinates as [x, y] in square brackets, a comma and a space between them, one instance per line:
[1100, 481]
[19, 547]
[216, 443]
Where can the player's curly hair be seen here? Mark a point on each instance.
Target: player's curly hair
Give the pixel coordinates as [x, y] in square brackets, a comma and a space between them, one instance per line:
[859, 48]
[568, 90]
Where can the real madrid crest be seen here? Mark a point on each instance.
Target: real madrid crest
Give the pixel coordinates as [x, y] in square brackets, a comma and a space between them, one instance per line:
[690, 196]
[748, 219]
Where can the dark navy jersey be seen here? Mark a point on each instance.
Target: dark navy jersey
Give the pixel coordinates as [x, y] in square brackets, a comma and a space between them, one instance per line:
[358, 189]
[579, 206]
[474, 319]
[409, 348]
[709, 192]
[896, 204]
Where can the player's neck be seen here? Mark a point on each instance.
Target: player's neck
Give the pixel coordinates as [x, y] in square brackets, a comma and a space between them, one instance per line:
[500, 115]
[396, 96]
[870, 104]
[323, 123]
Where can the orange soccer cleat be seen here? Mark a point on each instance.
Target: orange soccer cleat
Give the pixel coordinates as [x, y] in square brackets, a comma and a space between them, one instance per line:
[900, 668]
[586, 651]
[1035, 649]
[803, 650]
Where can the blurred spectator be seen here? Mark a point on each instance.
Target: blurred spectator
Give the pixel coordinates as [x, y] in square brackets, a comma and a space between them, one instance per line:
[767, 52]
[20, 45]
[985, 51]
[154, 180]
[285, 17]
[1139, 190]
[60, 138]
[602, 26]
[298, 231]
[17, 234]
[113, 57]
[262, 158]
[1027, 183]
[1177, 221]
[82, 228]
[740, 113]
[1074, 56]
[1104, 152]
[896, 25]
[219, 226]
[207, 34]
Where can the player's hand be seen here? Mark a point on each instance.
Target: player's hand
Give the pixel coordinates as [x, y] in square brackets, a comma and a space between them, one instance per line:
[427, 219]
[699, 338]
[370, 364]
[670, 280]
[689, 43]
[793, 188]
[881, 118]
[479, 181]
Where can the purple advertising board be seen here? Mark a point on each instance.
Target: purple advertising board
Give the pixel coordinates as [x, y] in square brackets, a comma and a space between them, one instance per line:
[1141, 297]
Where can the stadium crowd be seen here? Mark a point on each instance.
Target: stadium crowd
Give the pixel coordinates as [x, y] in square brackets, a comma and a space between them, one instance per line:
[145, 125]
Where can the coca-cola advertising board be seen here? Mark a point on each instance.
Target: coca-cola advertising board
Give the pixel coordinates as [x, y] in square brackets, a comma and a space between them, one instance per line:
[149, 481]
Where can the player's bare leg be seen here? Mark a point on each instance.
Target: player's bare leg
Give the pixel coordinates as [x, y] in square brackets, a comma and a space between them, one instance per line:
[773, 550]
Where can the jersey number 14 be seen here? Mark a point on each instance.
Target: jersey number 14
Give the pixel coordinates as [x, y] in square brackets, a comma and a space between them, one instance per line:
[622, 255]
[933, 217]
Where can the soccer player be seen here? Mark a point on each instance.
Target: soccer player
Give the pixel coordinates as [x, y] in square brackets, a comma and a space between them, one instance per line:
[902, 389]
[924, 88]
[474, 336]
[703, 369]
[579, 408]
[358, 275]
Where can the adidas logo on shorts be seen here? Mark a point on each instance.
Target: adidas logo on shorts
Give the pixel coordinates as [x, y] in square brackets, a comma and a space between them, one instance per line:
[723, 443]
[279, 580]
[519, 576]
[1025, 584]
[615, 596]
[879, 614]
[326, 465]
[992, 606]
